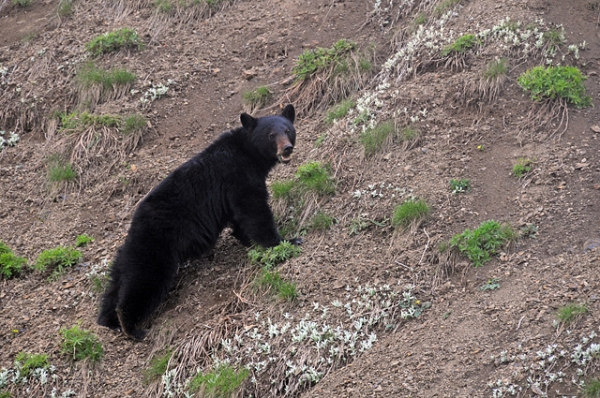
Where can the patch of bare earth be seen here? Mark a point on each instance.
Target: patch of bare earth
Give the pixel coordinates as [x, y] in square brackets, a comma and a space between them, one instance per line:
[469, 343]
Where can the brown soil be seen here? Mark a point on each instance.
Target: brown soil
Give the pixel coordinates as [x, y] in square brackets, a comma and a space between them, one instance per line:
[466, 340]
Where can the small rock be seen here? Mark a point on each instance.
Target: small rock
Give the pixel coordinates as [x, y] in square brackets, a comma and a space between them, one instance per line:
[595, 129]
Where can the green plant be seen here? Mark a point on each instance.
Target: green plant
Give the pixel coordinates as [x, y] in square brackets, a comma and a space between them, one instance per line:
[570, 312]
[562, 82]
[420, 19]
[591, 389]
[21, 3]
[529, 231]
[83, 240]
[315, 177]
[4, 248]
[113, 41]
[65, 7]
[282, 189]
[76, 121]
[461, 45]
[89, 74]
[321, 221]
[460, 186]
[269, 279]
[483, 242]
[80, 344]
[60, 170]
[320, 140]
[163, 5]
[319, 59]
[360, 223]
[133, 124]
[258, 97]
[491, 284]
[4, 394]
[412, 210]
[220, 382]
[522, 167]
[340, 110]
[26, 363]
[11, 265]
[496, 68]
[274, 255]
[159, 364]
[57, 260]
[373, 139]
[553, 39]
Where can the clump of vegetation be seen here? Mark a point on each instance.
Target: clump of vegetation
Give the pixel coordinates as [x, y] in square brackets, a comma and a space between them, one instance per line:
[564, 83]
[21, 3]
[480, 244]
[133, 124]
[163, 6]
[90, 75]
[411, 211]
[77, 121]
[257, 98]
[340, 110]
[10, 264]
[60, 170]
[570, 312]
[80, 344]
[65, 8]
[57, 260]
[373, 139]
[311, 177]
[495, 69]
[159, 365]
[83, 240]
[220, 382]
[26, 363]
[445, 6]
[491, 284]
[319, 59]
[270, 280]
[114, 41]
[591, 389]
[361, 222]
[321, 221]
[461, 45]
[460, 185]
[274, 255]
[522, 167]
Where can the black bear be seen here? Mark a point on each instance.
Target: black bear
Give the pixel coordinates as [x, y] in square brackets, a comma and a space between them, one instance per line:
[182, 217]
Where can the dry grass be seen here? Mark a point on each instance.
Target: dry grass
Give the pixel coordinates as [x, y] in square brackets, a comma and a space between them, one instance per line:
[546, 119]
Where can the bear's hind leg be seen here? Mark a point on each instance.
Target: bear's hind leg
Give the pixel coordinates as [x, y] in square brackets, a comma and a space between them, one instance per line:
[108, 315]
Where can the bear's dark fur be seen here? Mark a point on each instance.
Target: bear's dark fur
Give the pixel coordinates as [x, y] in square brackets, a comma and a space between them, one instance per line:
[182, 217]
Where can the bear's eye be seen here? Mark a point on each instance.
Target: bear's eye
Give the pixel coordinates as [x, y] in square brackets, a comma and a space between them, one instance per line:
[271, 135]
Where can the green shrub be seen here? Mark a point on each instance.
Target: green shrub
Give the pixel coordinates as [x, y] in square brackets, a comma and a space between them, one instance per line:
[258, 97]
[563, 82]
[11, 265]
[80, 344]
[319, 59]
[26, 363]
[57, 260]
[274, 255]
[410, 211]
[282, 189]
[570, 312]
[340, 110]
[83, 240]
[220, 382]
[461, 45]
[483, 242]
[113, 41]
[4, 248]
[522, 167]
[159, 365]
[315, 177]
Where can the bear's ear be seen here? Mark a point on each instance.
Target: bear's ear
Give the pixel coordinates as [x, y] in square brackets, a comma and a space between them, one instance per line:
[248, 121]
[289, 113]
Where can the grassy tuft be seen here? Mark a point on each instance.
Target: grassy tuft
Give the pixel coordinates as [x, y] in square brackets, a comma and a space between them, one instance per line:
[483, 242]
[76, 121]
[21, 3]
[321, 221]
[83, 240]
[80, 344]
[282, 189]
[461, 45]
[522, 167]
[570, 312]
[270, 280]
[319, 59]
[562, 82]
[64, 8]
[159, 365]
[410, 211]
[60, 170]
[258, 97]
[445, 6]
[57, 260]
[460, 186]
[274, 255]
[315, 177]
[163, 6]
[26, 363]
[591, 389]
[133, 124]
[220, 382]
[89, 75]
[496, 68]
[373, 139]
[340, 110]
[114, 41]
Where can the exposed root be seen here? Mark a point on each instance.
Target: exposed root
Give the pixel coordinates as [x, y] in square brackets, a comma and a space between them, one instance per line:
[551, 116]
[482, 90]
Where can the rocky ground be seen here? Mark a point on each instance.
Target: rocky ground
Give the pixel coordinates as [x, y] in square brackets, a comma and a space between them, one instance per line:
[356, 279]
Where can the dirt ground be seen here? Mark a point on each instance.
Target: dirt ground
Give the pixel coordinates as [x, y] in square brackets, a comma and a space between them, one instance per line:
[467, 341]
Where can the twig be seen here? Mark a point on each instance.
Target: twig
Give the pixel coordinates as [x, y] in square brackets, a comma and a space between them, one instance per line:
[426, 247]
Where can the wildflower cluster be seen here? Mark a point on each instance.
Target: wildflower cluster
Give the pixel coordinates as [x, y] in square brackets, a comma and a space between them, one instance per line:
[8, 140]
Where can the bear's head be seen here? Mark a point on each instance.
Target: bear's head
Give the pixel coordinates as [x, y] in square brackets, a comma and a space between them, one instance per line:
[273, 137]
